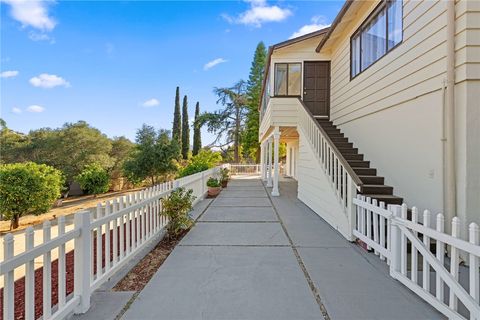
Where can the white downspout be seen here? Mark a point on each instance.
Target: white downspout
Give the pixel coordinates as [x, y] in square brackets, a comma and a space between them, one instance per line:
[451, 190]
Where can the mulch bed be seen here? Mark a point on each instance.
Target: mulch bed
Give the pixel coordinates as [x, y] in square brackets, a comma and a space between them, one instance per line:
[19, 284]
[141, 274]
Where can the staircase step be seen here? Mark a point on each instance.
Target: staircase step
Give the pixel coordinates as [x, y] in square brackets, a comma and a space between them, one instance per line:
[377, 189]
[359, 163]
[345, 151]
[365, 171]
[352, 156]
[388, 199]
[332, 134]
[344, 145]
[372, 179]
[338, 139]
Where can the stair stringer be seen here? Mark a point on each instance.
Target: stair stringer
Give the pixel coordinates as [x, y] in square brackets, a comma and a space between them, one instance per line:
[315, 189]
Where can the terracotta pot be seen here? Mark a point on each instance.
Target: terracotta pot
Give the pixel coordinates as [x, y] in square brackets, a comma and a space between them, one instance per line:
[214, 191]
[224, 183]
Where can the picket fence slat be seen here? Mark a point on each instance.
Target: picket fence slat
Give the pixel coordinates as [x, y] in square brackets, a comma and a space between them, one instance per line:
[403, 233]
[115, 231]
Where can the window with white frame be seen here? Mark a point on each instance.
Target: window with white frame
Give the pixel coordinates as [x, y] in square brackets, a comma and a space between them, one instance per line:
[380, 33]
[288, 78]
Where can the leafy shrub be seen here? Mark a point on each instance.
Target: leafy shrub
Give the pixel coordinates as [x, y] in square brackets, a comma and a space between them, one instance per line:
[28, 188]
[204, 160]
[213, 183]
[224, 174]
[94, 179]
[176, 208]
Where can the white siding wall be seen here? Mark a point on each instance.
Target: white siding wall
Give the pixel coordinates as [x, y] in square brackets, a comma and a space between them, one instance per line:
[292, 159]
[315, 190]
[393, 110]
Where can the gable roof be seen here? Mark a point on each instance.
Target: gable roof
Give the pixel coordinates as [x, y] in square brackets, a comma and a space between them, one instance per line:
[335, 23]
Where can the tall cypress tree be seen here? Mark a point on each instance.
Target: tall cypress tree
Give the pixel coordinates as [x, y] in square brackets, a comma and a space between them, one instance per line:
[185, 129]
[197, 138]
[251, 147]
[177, 119]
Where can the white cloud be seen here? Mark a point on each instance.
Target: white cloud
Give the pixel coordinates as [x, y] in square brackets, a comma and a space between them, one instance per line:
[151, 103]
[260, 12]
[32, 13]
[317, 24]
[16, 110]
[213, 63]
[9, 74]
[47, 81]
[35, 108]
[35, 36]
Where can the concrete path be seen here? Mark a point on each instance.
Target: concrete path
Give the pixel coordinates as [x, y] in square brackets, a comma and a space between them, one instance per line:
[252, 256]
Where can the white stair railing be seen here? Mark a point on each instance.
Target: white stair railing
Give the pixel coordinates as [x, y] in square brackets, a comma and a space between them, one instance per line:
[344, 181]
[422, 256]
[126, 225]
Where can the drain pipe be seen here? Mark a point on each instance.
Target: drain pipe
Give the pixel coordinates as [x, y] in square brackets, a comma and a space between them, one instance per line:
[451, 190]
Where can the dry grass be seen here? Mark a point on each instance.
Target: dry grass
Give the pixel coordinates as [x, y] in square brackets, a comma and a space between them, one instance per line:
[69, 206]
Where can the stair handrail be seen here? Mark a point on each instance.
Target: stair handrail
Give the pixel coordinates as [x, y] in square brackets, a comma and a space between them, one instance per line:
[338, 154]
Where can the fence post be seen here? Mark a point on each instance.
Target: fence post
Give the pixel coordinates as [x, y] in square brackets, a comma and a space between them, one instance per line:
[351, 208]
[396, 239]
[203, 183]
[82, 256]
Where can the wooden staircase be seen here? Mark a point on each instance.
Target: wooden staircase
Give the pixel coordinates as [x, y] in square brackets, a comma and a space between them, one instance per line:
[373, 185]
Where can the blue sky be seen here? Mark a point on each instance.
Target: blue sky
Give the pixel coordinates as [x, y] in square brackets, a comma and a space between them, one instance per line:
[115, 64]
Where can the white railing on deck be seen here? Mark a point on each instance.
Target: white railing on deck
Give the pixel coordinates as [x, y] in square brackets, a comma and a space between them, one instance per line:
[422, 256]
[343, 179]
[103, 243]
[240, 169]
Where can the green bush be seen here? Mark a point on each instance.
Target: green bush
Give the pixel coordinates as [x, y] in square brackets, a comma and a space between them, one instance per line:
[28, 188]
[204, 160]
[213, 183]
[176, 208]
[94, 179]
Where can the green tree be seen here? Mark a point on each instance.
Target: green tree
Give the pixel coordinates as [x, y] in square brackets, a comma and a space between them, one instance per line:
[228, 123]
[251, 147]
[177, 119]
[185, 129]
[121, 149]
[93, 179]
[197, 135]
[27, 188]
[153, 157]
[13, 145]
[204, 160]
[71, 148]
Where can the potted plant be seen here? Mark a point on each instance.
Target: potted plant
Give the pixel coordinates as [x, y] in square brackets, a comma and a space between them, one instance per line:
[224, 177]
[213, 187]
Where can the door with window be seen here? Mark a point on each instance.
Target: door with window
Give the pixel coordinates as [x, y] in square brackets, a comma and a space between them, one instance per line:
[316, 87]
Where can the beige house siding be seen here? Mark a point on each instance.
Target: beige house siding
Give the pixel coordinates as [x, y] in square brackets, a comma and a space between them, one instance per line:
[315, 190]
[393, 110]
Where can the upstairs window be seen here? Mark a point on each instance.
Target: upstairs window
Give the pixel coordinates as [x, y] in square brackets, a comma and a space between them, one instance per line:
[379, 34]
[287, 79]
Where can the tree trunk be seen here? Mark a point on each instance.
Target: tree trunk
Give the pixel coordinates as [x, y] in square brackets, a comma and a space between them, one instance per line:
[15, 222]
[236, 145]
[153, 180]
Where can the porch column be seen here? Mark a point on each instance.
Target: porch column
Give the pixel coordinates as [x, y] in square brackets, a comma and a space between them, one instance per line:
[263, 162]
[276, 139]
[269, 165]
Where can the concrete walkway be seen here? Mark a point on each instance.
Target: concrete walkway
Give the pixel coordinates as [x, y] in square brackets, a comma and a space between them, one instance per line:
[251, 256]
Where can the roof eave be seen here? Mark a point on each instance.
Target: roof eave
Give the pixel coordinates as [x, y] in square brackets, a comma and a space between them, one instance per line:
[335, 23]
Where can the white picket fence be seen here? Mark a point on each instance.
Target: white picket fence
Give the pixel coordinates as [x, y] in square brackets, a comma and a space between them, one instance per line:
[103, 243]
[422, 256]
